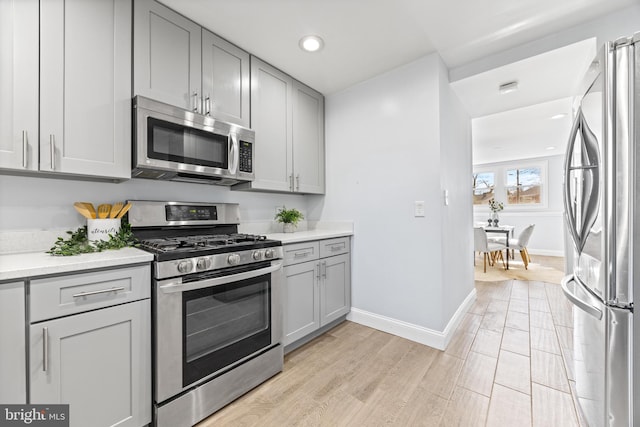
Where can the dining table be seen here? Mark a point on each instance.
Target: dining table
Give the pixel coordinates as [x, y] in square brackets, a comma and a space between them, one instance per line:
[501, 229]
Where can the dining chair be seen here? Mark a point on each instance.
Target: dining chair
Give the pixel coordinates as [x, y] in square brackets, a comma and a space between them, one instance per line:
[520, 243]
[490, 250]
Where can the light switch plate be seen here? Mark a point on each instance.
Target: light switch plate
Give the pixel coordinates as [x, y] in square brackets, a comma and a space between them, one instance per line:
[419, 207]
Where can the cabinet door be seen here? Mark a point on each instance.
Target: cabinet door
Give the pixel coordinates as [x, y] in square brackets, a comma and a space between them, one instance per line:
[308, 139]
[98, 362]
[335, 288]
[271, 119]
[301, 301]
[167, 49]
[13, 351]
[225, 80]
[85, 87]
[19, 84]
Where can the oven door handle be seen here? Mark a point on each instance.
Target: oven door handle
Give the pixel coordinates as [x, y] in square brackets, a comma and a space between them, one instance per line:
[172, 287]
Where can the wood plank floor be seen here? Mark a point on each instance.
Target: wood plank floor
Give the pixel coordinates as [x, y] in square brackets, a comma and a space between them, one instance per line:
[505, 366]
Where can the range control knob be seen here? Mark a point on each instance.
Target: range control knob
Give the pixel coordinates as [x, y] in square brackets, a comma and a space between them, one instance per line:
[204, 264]
[257, 255]
[184, 267]
[269, 253]
[233, 259]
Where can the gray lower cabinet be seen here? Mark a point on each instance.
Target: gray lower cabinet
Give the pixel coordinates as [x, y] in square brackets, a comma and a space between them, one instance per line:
[13, 372]
[97, 356]
[317, 286]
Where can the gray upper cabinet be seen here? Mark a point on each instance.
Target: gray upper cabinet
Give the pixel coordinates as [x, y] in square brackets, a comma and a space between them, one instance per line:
[85, 87]
[167, 56]
[225, 80]
[13, 351]
[19, 21]
[288, 118]
[308, 139]
[178, 62]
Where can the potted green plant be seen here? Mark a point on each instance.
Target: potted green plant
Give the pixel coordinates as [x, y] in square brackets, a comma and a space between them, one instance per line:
[289, 218]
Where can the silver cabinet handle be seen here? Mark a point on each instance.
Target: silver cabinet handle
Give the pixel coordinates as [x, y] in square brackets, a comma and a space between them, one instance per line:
[45, 349]
[298, 182]
[301, 255]
[324, 269]
[195, 101]
[335, 248]
[291, 182]
[52, 147]
[318, 273]
[103, 291]
[24, 149]
[207, 105]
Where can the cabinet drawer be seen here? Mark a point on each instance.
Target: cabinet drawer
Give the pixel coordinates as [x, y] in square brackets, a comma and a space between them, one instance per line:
[64, 295]
[301, 252]
[332, 247]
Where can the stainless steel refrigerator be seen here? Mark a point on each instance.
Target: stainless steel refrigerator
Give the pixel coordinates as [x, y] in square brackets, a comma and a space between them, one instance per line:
[602, 214]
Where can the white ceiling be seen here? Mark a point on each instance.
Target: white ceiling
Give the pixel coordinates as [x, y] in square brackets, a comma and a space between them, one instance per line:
[522, 133]
[364, 38]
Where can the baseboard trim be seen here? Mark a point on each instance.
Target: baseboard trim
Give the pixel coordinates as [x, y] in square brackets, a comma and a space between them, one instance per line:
[419, 334]
[545, 252]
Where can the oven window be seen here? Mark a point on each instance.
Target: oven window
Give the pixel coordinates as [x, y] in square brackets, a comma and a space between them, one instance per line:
[224, 324]
[181, 144]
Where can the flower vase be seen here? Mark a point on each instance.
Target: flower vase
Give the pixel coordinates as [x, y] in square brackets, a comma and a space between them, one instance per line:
[288, 227]
[494, 218]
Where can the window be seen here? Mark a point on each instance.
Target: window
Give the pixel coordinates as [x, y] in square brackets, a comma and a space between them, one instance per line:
[483, 187]
[524, 186]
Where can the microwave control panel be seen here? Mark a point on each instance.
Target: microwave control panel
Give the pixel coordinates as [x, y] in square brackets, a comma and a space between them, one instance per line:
[246, 157]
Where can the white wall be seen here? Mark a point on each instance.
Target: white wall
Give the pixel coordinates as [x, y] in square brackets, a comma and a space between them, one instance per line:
[455, 166]
[34, 203]
[547, 238]
[384, 152]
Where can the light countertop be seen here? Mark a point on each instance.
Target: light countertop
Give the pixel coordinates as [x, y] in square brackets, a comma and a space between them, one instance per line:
[32, 264]
[307, 235]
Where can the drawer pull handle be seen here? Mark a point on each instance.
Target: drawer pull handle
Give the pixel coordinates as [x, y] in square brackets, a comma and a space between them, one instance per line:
[301, 255]
[45, 349]
[336, 248]
[104, 291]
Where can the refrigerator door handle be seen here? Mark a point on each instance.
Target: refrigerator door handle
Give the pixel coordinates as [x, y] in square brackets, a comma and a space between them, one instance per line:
[568, 285]
[569, 207]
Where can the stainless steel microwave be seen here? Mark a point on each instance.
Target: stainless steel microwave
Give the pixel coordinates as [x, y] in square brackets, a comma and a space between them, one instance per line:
[170, 143]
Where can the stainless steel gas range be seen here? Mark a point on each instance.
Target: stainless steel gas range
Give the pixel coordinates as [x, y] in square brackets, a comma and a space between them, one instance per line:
[216, 307]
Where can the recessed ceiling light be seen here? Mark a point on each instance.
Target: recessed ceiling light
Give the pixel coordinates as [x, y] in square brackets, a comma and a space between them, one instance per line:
[311, 43]
[508, 87]
[551, 148]
[559, 116]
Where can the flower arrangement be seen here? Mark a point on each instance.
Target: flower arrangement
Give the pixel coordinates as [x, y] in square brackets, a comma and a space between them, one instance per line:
[495, 205]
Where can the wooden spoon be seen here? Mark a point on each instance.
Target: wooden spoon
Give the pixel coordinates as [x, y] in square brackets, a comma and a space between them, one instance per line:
[90, 208]
[104, 210]
[82, 209]
[115, 209]
[124, 210]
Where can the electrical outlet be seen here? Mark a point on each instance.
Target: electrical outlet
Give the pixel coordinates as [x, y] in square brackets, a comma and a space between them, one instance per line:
[419, 208]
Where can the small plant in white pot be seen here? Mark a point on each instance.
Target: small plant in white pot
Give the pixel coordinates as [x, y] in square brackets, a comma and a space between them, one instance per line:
[289, 218]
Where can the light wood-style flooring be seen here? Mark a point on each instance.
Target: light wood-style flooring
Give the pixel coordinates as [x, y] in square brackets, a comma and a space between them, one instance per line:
[505, 366]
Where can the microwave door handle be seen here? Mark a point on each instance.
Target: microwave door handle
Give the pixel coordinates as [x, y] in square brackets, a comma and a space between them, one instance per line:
[173, 287]
[569, 206]
[233, 153]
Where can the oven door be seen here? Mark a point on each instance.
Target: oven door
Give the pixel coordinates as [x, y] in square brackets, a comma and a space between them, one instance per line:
[204, 327]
